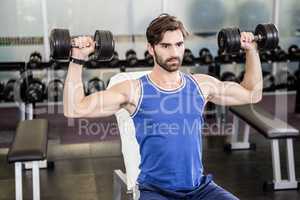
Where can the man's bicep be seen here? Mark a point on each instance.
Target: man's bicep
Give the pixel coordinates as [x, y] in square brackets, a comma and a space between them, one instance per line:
[103, 103]
[228, 93]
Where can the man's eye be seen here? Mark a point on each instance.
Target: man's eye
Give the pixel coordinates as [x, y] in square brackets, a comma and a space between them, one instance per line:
[164, 46]
[179, 44]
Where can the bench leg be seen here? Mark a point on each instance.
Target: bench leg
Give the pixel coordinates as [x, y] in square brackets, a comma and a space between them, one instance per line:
[291, 163]
[36, 180]
[278, 183]
[235, 130]
[119, 182]
[276, 161]
[234, 143]
[18, 181]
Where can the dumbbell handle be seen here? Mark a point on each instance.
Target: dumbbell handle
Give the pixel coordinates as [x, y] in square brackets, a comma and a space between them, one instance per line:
[257, 38]
[75, 46]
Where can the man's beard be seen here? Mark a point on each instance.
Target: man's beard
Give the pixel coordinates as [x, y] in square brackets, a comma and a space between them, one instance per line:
[167, 66]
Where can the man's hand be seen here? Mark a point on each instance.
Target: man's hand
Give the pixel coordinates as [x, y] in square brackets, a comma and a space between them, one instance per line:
[247, 41]
[84, 47]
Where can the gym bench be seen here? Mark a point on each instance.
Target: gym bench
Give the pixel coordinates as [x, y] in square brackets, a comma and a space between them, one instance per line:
[29, 147]
[272, 129]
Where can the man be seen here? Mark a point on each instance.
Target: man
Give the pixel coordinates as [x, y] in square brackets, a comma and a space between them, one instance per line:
[166, 107]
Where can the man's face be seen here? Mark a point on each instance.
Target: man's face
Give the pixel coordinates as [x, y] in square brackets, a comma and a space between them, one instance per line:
[168, 53]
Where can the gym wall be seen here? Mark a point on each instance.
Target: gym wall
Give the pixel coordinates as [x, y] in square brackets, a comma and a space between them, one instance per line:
[24, 18]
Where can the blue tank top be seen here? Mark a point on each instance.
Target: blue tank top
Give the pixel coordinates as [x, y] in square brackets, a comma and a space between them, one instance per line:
[168, 130]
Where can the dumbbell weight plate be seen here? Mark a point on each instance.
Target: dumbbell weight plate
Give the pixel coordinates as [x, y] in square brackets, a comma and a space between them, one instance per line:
[228, 76]
[269, 35]
[35, 91]
[222, 40]
[275, 34]
[35, 60]
[149, 59]
[9, 90]
[205, 56]
[104, 48]
[293, 49]
[55, 90]
[114, 62]
[2, 86]
[94, 85]
[131, 58]
[236, 38]
[188, 57]
[60, 43]
[203, 52]
[261, 31]
[270, 38]
[229, 40]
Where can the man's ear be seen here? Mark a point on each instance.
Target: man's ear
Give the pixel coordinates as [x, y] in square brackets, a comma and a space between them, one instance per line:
[150, 49]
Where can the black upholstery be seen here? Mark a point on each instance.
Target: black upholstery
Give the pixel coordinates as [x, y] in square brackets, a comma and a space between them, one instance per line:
[264, 122]
[30, 142]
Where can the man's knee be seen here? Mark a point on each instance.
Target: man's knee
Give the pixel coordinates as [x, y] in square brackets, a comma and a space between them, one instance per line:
[222, 194]
[213, 191]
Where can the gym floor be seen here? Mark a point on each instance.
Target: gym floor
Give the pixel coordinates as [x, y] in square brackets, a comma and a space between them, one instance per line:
[83, 168]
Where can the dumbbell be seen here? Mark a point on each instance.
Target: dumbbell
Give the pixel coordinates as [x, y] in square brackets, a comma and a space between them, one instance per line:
[114, 62]
[54, 90]
[95, 85]
[188, 57]
[205, 56]
[223, 57]
[229, 76]
[297, 75]
[294, 51]
[2, 86]
[238, 57]
[61, 44]
[35, 60]
[35, 91]
[32, 89]
[265, 56]
[278, 54]
[266, 36]
[148, 59]
[9, 90]
[131, 58]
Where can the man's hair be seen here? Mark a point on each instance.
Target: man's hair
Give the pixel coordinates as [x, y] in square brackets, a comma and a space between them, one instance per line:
[162, 24]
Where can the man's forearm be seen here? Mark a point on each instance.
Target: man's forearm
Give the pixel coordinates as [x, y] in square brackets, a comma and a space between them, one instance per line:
[73, 89]
[253, 73]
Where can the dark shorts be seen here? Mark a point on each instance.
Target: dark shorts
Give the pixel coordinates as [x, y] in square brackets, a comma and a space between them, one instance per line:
[207, 191]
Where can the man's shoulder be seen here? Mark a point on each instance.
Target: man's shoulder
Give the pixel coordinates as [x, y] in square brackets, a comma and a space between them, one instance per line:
[203, 77]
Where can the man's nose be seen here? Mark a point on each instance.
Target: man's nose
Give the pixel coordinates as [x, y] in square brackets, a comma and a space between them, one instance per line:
[174, 51]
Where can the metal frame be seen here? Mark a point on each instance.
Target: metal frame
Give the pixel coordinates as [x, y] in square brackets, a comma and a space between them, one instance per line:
[119, 183]
[278, 182]
[35, 180]
[234, 143]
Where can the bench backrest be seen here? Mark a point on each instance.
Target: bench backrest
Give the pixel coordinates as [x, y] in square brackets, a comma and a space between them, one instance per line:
[130, 147]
